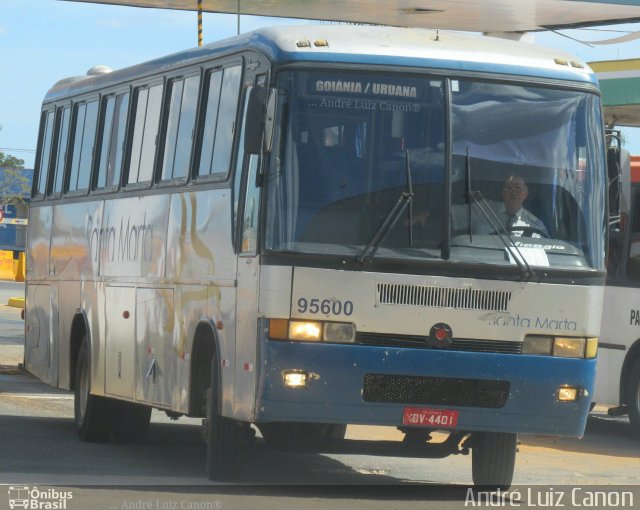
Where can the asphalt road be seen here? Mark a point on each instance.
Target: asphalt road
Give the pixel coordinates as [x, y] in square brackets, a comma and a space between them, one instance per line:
[40, 449]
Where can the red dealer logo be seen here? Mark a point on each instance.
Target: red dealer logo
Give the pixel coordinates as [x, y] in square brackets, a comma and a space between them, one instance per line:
[441, 336]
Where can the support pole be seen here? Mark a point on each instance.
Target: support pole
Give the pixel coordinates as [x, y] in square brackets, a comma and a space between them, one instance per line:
[199, 22]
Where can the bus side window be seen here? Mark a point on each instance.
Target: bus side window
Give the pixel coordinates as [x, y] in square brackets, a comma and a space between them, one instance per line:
[86, 119]
[222, 95]
[145, 133]
[64, 116]
[633, 265]
[45, 152]
[180, 127]
[114, 123]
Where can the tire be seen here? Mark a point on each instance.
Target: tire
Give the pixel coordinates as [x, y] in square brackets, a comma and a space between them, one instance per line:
[130, 422]
[92, 414]
[224, 436]
[493, 459]
[632, 392]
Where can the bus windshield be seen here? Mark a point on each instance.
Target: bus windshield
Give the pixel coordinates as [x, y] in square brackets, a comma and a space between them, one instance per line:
[522, 166]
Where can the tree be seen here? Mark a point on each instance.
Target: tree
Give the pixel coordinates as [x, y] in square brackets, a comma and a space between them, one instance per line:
[14, 185]
[8, 161]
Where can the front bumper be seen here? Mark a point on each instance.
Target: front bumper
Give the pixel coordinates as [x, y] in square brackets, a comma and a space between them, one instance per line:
[335, 393]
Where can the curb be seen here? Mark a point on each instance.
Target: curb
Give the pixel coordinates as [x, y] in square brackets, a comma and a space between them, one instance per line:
[16, 302]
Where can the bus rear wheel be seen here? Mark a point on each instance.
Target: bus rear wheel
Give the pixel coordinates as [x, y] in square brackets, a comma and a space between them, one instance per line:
[92, 414]
[493, 459]
[632, 391]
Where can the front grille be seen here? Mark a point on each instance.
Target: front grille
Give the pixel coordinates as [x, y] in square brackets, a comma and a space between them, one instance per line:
[422, 342]
[442, 391]
[443, 297]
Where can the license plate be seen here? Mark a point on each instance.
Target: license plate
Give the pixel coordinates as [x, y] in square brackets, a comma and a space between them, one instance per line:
[425, 417]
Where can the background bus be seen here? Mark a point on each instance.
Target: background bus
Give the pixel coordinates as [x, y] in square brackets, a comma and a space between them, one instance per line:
[14, 200]
[262, 231]
[618, 367]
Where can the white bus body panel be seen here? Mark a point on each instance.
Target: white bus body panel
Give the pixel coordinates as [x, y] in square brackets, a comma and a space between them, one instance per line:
[142, 302]
[525, 316]
[40, 345]
[620, 330]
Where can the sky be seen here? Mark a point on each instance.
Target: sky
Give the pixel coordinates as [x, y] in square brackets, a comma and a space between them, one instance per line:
[42, 41]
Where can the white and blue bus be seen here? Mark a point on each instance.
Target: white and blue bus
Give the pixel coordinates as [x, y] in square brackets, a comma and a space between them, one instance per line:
[302, 228]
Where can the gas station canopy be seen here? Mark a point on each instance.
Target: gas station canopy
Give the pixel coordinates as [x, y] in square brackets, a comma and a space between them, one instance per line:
[489, 16]
[620, 86]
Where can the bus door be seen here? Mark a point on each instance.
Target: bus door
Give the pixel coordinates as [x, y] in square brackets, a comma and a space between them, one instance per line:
[247, 194]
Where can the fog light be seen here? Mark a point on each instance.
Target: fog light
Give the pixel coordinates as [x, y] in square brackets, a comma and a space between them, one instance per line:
[295, 378]
[568, 394]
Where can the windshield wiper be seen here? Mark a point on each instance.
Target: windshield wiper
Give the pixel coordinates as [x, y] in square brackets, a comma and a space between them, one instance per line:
[493, 219]
[467, 176]
[405, 199]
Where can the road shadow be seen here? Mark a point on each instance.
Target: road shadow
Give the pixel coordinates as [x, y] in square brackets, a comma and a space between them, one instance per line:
[604, 435]
[15, 380]
[50, 447]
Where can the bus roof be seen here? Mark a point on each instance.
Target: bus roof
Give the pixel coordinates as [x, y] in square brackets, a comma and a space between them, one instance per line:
[362, 45]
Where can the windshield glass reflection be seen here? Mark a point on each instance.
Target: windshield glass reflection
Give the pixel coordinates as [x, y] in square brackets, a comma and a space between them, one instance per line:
[353, 145]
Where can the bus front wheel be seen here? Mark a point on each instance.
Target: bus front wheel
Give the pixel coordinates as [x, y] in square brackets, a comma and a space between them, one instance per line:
[493, 459]
[633, 397]
[224, 436]
[92, 414]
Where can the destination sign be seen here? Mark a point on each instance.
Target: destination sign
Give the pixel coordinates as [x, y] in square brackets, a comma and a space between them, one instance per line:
[375, 89]
[401, 88]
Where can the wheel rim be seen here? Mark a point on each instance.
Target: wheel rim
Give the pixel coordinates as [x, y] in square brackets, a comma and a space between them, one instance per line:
[84, 390]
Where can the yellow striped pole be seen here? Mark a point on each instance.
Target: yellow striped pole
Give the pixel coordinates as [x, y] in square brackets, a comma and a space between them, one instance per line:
[199, 22]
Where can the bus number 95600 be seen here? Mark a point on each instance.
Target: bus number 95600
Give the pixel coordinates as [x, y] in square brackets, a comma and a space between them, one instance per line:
[325, 306]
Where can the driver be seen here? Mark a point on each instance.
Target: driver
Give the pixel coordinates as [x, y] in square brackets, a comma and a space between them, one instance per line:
[511, 212]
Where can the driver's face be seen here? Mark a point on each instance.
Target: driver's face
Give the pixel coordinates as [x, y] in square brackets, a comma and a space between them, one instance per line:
[514, 192]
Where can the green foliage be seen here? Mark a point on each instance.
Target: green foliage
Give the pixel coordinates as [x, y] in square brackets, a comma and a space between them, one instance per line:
[7, 160]
[13, 184]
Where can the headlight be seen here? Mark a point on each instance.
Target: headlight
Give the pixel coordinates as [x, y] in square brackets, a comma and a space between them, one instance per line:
[560, 346]
[305, 330]
[312, 331]
[537, 344]
[568, 347]
[341, 332]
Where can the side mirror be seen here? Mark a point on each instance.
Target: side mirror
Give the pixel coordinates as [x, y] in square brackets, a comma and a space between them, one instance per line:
[269, 121]
[619, 176]
[625, 182]
[614, 172]
[254, 117]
